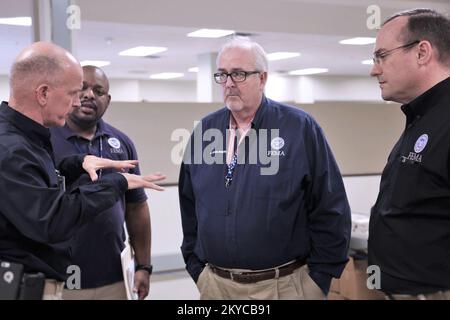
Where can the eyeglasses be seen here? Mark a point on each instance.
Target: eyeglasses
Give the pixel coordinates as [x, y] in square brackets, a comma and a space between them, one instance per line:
[236, 76]
[378, 57]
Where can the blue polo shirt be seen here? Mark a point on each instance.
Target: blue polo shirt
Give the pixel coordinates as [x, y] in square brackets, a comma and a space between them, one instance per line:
[97, 246]
[264, 220]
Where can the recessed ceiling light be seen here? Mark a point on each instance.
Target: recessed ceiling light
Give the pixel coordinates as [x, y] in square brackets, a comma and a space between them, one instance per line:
[167, 75]
[17, 21]
[368, 61]
[282, 55]
[210, 33]
[193, 69]
[302, 72]
[358, 41]
[142, 51]
[97, 63]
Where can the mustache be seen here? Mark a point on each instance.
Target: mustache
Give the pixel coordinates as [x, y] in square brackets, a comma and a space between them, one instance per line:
[89, 104]
[231, 93]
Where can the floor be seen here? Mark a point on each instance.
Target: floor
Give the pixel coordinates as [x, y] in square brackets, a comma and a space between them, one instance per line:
[172, 285]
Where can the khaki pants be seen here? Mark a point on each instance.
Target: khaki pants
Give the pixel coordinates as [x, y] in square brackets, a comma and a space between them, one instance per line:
[115, 291]
[296, 286]
[52, 290]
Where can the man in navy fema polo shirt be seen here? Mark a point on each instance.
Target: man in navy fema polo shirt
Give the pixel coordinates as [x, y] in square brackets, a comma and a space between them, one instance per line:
[96, 247]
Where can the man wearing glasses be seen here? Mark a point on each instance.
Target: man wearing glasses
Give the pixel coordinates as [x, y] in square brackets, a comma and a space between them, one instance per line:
[409, 236]
[255, 234]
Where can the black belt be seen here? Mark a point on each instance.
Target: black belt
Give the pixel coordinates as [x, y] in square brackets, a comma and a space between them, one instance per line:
[255, 276]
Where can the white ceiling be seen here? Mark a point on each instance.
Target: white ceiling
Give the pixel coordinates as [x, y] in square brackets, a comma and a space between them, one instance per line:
[312, 28]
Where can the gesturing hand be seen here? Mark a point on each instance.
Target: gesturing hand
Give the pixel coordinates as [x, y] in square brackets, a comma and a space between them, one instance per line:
[92, 163]
[135, 181]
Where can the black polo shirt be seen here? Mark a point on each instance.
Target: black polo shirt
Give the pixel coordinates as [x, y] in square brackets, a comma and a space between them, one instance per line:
[409, 235]
[36, 215]
[97, 246]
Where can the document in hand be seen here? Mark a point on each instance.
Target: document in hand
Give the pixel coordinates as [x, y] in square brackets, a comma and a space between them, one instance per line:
[127, 257]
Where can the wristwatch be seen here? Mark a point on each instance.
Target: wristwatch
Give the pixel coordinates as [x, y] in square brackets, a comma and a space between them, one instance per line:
[146, 267]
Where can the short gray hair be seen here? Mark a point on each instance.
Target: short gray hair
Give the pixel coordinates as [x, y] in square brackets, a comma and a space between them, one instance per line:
[261, 63]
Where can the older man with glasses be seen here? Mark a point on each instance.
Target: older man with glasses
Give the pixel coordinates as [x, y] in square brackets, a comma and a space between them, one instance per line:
[409, 236]
[252, 233]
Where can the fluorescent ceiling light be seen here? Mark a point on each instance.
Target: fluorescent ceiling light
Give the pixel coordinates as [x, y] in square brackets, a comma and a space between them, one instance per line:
[358, 41]
[210, 33]
[368, 61]
[142, 51]
[303, 72]
[282, 55]
[97, 63]
[17, 21]
[167, 75]
[193, 69]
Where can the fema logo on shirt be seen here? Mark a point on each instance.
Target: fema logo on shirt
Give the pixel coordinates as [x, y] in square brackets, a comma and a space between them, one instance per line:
[277, 143]
[421, 143]
[115, 144]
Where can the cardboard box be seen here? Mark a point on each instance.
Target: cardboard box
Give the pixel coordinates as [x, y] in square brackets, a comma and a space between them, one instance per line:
[353, 283]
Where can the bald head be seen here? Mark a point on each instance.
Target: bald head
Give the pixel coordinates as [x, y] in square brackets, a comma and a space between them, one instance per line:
[45, 80]
[41, 62]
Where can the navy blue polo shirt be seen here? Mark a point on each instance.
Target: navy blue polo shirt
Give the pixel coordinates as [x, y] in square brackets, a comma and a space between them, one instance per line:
[264, 220]
[97, 246]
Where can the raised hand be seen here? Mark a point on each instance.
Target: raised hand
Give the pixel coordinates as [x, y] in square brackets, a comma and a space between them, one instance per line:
[92, 163]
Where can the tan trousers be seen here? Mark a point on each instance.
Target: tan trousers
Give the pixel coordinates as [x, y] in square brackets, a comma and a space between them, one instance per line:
[296, 286]
[52, 290]
[440, 295]
[115, 291]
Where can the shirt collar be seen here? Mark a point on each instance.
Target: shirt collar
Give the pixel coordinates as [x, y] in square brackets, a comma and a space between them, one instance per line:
[256, 121]
[102, 130]
[426, 101]
[33, 130]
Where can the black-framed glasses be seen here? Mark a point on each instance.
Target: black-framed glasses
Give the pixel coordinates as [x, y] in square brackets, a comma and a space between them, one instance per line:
[236, 76]
[378, 57]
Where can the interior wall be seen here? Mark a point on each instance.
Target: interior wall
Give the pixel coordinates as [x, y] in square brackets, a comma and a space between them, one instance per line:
[304, 89]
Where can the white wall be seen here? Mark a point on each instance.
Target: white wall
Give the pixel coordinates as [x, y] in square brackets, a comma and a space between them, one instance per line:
[345, 88]
[124, 90]
[4, 88]
[168, 91]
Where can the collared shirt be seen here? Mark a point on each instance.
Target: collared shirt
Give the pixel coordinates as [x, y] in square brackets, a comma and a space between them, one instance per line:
[409, 235]
[100, 263]
[264, 220]
[36, 215]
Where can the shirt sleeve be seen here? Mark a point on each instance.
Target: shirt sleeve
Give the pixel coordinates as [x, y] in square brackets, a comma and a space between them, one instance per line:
[42, 211]
[329, 218]
[71, 167]
[134, 195]
[189, 222]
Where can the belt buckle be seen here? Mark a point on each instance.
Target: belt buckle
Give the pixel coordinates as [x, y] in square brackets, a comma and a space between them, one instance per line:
[277, 273]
